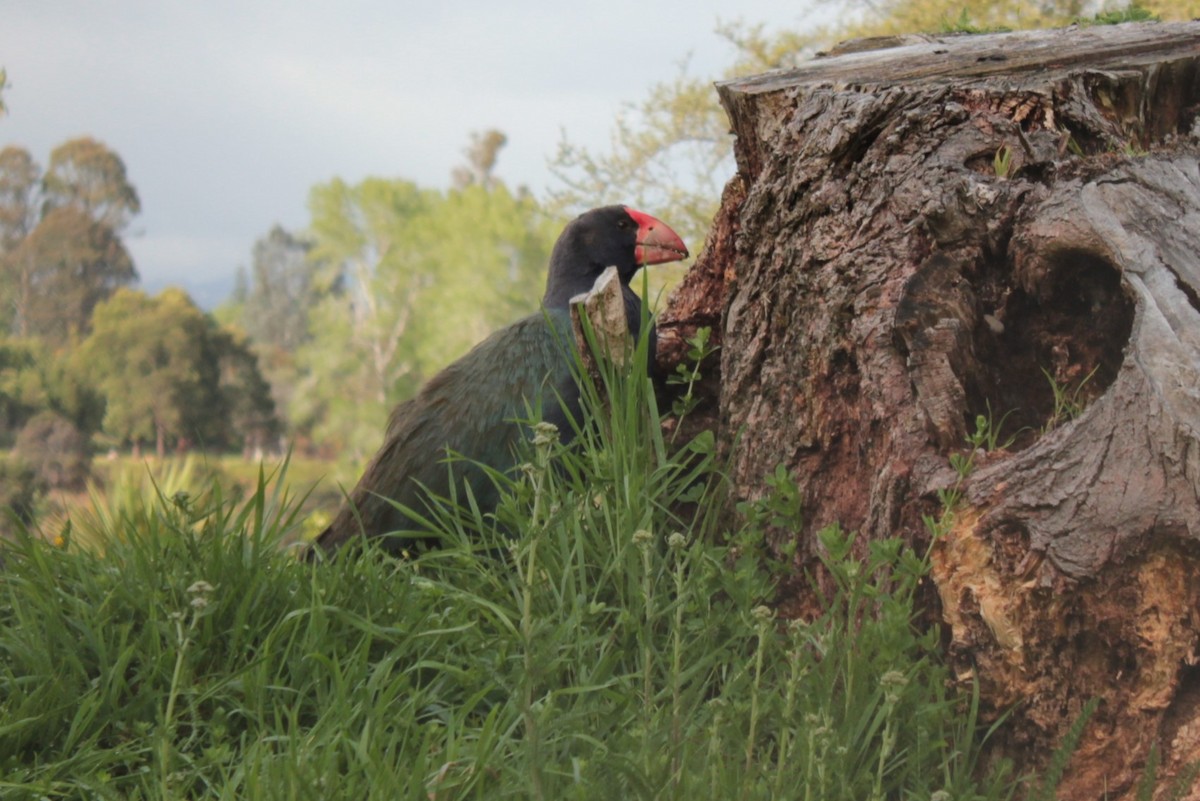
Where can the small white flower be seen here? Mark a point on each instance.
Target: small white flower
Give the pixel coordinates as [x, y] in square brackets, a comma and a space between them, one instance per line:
[545, 434]
[200, 587]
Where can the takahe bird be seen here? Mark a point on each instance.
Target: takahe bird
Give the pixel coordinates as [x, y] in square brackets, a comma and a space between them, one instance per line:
[470, 408]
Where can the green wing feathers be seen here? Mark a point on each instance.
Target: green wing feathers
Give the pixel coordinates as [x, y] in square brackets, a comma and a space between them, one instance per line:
[470, 408]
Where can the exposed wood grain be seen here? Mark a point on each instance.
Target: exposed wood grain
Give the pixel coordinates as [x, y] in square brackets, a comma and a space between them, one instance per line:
[927, 233]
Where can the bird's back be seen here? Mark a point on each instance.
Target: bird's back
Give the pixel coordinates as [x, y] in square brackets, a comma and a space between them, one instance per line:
[469, 408]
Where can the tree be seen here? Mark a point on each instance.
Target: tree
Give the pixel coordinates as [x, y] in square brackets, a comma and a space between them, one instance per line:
[34, 379]
[87, 175]
[56, 450]
[170, 375]
[954, 285]
[247, 395]
[19, 176]
[671, 151]
[271, 305]
[487, 251]
[482, 154]
[19, 181]
[366, 307]
[147, 359]
[50, 410]
[415, 277]
[76, 263]
[60, 246]
[280, 291]
[19, 493]
[19, 389]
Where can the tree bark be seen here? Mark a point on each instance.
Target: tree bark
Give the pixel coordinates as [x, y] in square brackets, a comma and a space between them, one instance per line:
[1005, 226]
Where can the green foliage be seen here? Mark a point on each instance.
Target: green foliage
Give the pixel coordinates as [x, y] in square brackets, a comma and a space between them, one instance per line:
[20, 389]
[271, 307]
[687, 373]
[963, 24]
[1069, 402]
[33, 379]
[1177, 790]
[77, 262]
[1133, 148]
[482, 154]
[274, 304]
[86, 175]
[1002, 162]
[1062, 755]
[130, 497]
[151, 359]
[671, 151]
[985, 437]
[19, 493]
[893, 17]
[987, 431]
[413, 279]
[55, 449]
[615, 648]
[1134, 12]
[1145, 788]
[246, 398]
[19, 177]
[170, 376]
[779, 509]
[60, 247]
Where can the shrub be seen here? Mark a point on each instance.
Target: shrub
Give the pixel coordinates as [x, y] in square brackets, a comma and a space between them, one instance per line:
[56, 450]
[19, 491]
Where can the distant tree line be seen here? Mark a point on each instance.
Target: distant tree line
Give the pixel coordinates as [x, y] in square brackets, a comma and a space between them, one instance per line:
[326, 330]
[85, 360]
[332, 325]
[388, 283]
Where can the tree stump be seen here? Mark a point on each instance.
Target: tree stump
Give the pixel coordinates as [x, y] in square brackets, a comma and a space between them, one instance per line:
[1005, 226]
[604, 308]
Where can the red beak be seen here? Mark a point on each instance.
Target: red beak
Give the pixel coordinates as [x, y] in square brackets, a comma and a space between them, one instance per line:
[656, 242]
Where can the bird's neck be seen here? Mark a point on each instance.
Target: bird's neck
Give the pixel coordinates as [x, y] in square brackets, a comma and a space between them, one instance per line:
[561, 287]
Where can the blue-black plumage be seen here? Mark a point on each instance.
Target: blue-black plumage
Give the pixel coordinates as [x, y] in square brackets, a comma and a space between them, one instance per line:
[470, 407]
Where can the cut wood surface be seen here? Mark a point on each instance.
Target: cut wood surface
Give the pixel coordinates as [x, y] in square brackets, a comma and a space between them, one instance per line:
[1005, 226]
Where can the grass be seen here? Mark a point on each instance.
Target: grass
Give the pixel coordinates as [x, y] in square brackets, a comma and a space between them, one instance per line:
[125, 483]
[1002, 162]
[617, 648]
[1069, 402]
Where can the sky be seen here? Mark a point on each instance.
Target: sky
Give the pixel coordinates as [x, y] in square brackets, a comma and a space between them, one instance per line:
[226, 112]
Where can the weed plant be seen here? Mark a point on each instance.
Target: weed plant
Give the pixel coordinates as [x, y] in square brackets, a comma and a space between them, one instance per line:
[1069, 402]
[615, 647]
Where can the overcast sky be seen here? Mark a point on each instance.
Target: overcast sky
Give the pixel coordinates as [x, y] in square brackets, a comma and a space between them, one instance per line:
[226, 112]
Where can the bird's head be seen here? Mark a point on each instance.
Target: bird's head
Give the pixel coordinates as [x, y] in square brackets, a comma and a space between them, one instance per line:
[611, 236]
